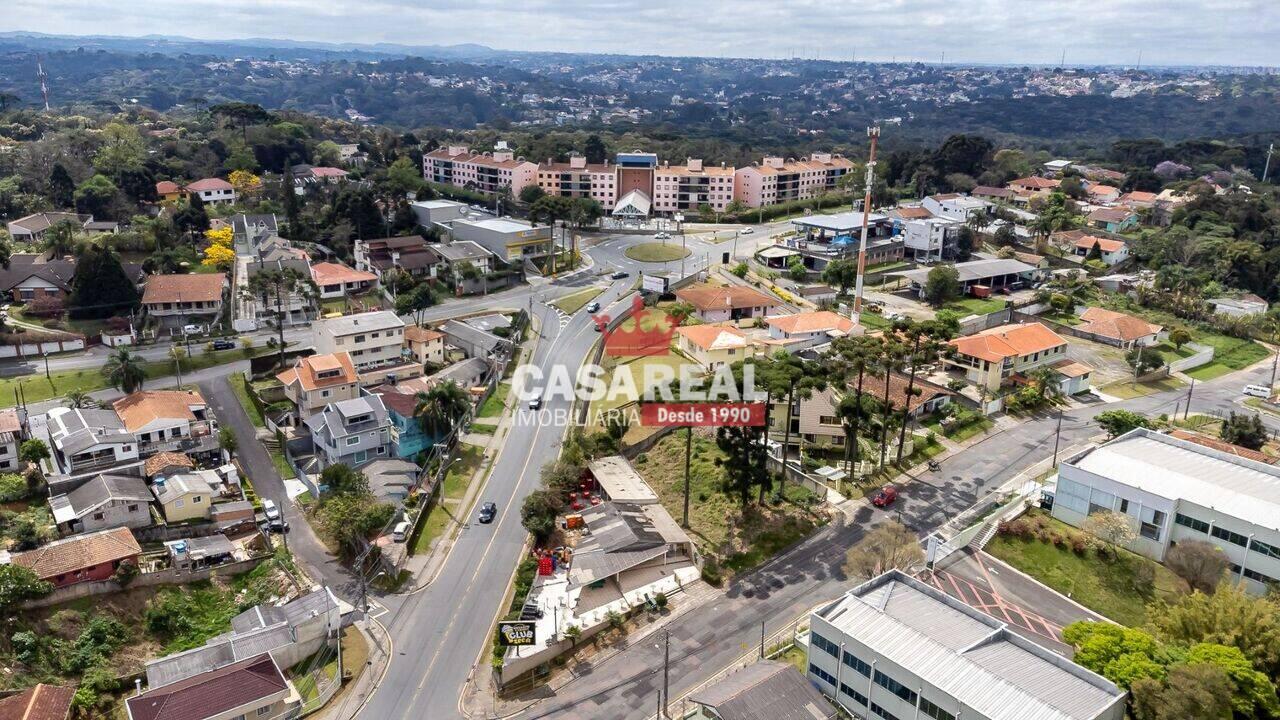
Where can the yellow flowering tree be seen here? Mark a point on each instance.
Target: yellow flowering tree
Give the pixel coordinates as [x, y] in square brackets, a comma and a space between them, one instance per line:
[243, 180]
[219, 253]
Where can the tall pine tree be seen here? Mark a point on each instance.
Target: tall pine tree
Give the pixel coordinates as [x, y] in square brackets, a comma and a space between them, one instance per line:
[62, 188]
[100, 287]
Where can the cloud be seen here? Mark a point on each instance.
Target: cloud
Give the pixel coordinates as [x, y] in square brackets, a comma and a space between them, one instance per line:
[1231, 32]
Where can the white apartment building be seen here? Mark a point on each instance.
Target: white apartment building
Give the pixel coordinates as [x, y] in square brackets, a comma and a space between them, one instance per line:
[687, 188]
[895, 648]
[1174, 490]
[371, 339]
[931, 239]
[487, 172]
[954, 206]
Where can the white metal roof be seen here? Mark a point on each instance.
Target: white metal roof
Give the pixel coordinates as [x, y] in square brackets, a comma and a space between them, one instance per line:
[620, 481]
[839, 221]
[1179, 470]
[970, 656]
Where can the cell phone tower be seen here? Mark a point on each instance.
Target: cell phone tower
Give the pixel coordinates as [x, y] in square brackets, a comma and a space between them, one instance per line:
[43, 77]
[873, 132]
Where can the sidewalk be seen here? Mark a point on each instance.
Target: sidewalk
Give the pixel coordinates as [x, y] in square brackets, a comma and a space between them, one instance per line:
[381, 649]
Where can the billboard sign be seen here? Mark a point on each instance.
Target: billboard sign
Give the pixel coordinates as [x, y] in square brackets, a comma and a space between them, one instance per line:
[654, 283]
[517, 633]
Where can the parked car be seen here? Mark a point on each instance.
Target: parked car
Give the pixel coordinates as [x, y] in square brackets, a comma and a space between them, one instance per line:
[400, 532]
[1262, 391]
[270, 509]
[885, 497]
[620, 274]
[488, 512]
[224, 345]
[191, 330]
[593, 307]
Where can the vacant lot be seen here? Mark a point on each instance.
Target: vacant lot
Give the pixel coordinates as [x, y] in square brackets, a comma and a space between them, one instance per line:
[449, 504]
[1113, 587]
[737, 538]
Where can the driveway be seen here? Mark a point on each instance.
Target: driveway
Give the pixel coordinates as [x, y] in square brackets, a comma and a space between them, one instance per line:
[257, 464]
[1108, 362]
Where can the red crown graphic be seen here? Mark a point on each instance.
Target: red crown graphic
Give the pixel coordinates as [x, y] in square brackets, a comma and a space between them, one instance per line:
[643, 332]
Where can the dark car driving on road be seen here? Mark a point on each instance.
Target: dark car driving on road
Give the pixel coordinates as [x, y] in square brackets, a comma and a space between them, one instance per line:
[488, 512]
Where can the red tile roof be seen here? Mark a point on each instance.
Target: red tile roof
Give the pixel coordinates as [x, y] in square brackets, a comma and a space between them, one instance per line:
[42, 702]
[1224, 446]
[212, 693]
[327, 273]
[1006, 341]
[167, 187]
[807, 322]
[307, 371]
[79, 552]
[1035, 182]
[1116, 325]
[709, 297]
[1106, 245]
[210, 184]
[714, 337]
[192, 287]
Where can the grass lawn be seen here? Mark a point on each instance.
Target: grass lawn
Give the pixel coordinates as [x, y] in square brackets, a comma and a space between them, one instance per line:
[494, 405]
[797, 657]
[1169, 353]
[873, 321]
[1069, 319]
[636, 367]
[737, 538]
[964, 431]
[656, 252]
[1105, 586]
[1229, 354]
[575, 302]
[282, 464]
[455, 485]
[975, 306]
[240, 386]
[1126, 390]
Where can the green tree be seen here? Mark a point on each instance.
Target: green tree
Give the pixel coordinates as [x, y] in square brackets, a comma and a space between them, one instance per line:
[125, 371]
[95, 196]
[796, 270]
[62, 188]
[403, 177]
[538, 513]
[841, 274]
[1229, 616]
[942, 285]
[965, 242]
[549, 209]
[227, 441]
[33, 451]
[680, 311]
[122, 150]
[273, 288]
[1255, 695]
[1179, 336]
[1192, 692]
[1143, 361]
[1245, 430]
[415, 301]
[1120, 654]
[326, 154]
[100, 287]
[440, 408]
[342, 480]
[530, 194]
[1095, 252]
[1119, 422]
[19, 584]
[60, 238]
[594, 150]
[242, 114]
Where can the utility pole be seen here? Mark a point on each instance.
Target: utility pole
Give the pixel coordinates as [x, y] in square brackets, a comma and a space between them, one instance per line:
[688, 445]
[761, 639]
[1187, 411]
[1275, 364]
[873, 132]
[1057, 436]
[666, 673]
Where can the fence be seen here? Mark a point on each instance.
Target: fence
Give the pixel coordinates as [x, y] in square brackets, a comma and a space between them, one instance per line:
[171, 576]
[1203, 355]
[978, 323]
[40, 349]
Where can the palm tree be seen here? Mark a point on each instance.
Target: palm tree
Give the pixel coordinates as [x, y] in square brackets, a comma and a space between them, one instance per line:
[60, 239]
[125, 371]
[278, 285]
[1044, 226]
[856, 356]
[176, 354]
[78, 399]
[441, 407]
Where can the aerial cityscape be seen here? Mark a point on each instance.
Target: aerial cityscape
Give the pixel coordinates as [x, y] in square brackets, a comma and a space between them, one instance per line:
[485, 361]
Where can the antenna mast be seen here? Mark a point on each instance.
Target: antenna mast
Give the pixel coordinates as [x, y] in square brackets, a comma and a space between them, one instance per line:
[1267, 168]
[873, 132]
[43, 77]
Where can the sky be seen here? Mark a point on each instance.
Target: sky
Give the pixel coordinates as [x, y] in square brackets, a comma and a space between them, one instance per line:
[1166, 32]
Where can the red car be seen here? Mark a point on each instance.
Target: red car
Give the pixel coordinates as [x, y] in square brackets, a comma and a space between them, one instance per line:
[885, 497]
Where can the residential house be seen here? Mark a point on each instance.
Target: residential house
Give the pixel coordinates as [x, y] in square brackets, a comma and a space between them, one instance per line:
[815, 421]
[167, 463]
[820, 239]
[31, 229]
[729, 302]
[256, 309]
[1027, 187]
[1054, 168]
[351, 155]
[39, 702]
[311, 175]
[509, 239]
[353, 432]
[410, 253]
[169, 420]
[996, 194]
[196, 553]
[252, 688]
[318, 380]
[390, 481]
[424, 344]
[335, 280]
[107, 501]
[1113, 219]
[1247, 305]
[1101, 194]
[253, 228]
[1119, 329]
[373, 340]
[993, 356]
[81, 558]
[455, 256]
[175, 301]
[1110, 250]
[31, 276]
[183, 497]
[84, 442]
[993, 274]
[1172, 490]
[808, 329]
[407, 436]
[11, 433]
[489, 172]
[897, 647]
[1139, 200]
[169, 191]
[713, 345]
[954, 206]
[213, 190]
[765, 689]
[475, 342]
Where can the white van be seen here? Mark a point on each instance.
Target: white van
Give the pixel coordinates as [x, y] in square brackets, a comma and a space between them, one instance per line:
[1262, 391]
[400, 532]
